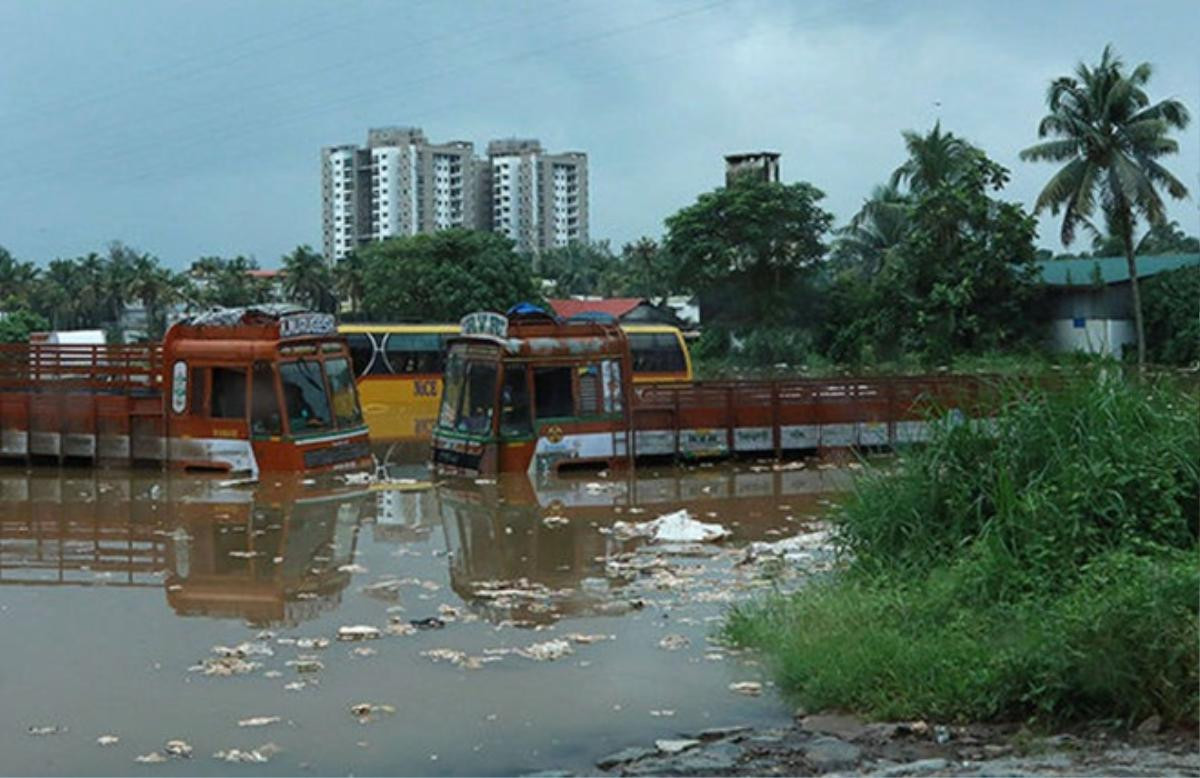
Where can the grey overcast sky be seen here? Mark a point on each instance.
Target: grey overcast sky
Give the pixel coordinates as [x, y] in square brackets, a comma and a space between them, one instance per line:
[194, 127]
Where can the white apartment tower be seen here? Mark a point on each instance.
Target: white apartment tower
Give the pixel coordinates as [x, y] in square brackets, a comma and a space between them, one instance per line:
[539, 200]
[401, 184]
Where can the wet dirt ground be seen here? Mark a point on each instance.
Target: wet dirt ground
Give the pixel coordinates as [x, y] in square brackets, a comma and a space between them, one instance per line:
[290, 627]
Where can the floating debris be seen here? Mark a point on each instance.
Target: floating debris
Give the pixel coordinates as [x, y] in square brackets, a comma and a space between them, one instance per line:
[225, 666]
[180, 749]
[352, 568]
[677, 527]
[798, 548]
[312, 643]
[358, 632]
[458, 658]
[363, 651]
[675, 746]
[400, 629]
[294, 686]
[107, 740]
[259, 721]
[154, 757]
[662, 713]
[673, 642]
[366, 712]
[749, 688]
[52, 729]
[306, 664]
[583, 640]
[258, 755]
[245, 554]
[553, 522]
[432, 622]
[243, 650]
[547, 651]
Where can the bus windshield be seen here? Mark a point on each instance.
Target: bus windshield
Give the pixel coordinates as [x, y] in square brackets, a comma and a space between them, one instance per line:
[469, 398]
[305, 397]
[345, 400]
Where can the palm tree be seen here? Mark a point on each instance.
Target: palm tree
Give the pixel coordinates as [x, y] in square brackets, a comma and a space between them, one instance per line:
[933, 159]
[879, 225]
[308, 280]
[1111, 137]
[348, 275]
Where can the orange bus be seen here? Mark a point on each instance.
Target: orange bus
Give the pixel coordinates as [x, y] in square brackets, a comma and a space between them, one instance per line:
[399, 370]
[265, 388]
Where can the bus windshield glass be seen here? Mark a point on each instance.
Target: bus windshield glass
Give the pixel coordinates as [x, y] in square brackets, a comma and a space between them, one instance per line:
[469, 396]
[345, 400]
[305, 397]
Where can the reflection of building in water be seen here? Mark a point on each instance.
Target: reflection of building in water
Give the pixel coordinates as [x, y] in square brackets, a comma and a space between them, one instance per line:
[404, 516]
[267, 554]
[496, 531]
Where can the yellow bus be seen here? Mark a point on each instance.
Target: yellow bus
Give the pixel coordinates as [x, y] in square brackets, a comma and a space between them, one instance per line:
[399, 370]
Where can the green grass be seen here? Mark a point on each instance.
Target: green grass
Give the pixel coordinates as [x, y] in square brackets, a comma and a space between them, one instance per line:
[1044, 568]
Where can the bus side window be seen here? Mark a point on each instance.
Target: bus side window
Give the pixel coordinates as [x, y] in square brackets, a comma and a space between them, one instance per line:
[228, 393]
[669, 352]
[590, 402]
[640, 345]
[514, 402]
[362, 354]
[414, 353]
[552, 392]
[265, 418]
[199, 383]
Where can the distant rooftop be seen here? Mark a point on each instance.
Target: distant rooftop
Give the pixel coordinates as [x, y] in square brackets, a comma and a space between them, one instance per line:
[1110, 270]
[613, 306]
[747, 156]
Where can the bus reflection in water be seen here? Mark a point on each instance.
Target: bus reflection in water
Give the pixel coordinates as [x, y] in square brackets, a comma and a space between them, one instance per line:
[269, 555]
[567, 563]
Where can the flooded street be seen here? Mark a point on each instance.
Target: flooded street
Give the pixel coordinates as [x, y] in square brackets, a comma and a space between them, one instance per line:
[491, 627]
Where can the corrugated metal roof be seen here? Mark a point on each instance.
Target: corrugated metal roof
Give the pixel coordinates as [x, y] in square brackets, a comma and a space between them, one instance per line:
[1111, 270]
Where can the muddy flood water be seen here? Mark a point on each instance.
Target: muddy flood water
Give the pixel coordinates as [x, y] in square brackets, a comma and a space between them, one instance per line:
[288, 627]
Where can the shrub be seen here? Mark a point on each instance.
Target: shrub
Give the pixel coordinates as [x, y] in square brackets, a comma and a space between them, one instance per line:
[1042, 565]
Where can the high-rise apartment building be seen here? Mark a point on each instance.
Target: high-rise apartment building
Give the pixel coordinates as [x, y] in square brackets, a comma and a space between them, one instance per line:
[539, 200]
[401, 184]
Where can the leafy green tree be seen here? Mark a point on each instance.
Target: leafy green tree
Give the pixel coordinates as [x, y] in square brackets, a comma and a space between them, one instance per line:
[645, 270]
[444, 276]
[1172, 326]
[963, 278]
[308, 280]
[580, 269]
[1111, 137]
[748, 249]
[16, 326]
[17, 281]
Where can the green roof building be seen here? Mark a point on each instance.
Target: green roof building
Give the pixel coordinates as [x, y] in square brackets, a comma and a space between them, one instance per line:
[1091, 308]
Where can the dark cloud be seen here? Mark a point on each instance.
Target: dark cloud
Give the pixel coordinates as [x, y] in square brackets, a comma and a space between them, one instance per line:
[193, 129]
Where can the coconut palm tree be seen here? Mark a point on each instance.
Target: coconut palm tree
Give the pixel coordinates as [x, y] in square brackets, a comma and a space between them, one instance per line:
[933, 158]
[1110, 136]
[308, 280]
[879, 225]
[348, 276]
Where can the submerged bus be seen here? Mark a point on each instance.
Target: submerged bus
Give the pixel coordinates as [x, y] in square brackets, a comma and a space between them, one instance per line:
[399, 370]
[265, 388]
